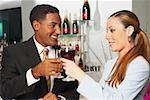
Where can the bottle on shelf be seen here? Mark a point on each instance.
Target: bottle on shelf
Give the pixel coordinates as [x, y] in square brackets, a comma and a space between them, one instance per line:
[81, 63]
[70, 23]
[97, 17]
[75, 27]
[77, 48]
[66, 25]
[86, 10]
[4, 40]
[78, 59]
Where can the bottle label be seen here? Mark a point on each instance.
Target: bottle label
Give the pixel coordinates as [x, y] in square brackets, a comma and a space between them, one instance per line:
[75, 30]
[85, 15]
[65, 30]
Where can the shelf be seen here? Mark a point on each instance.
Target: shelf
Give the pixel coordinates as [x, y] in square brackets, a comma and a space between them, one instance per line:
[69, 35]
[84, 21]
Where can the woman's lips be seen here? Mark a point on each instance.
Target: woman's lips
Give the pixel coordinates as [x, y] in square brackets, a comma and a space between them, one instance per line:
[110, 44]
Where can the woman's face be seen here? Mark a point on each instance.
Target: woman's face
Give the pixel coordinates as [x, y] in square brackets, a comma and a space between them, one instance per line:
[117, 35]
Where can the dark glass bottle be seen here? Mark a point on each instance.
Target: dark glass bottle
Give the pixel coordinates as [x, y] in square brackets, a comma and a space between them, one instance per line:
[66, 26]
[4, 40]
[81, 63]
[86, 10]
[75, 26]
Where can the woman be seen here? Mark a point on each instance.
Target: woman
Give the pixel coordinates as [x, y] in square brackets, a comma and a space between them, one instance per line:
[124, 77]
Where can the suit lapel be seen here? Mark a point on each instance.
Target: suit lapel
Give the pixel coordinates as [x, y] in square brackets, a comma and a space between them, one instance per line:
[34, 59]
[31, 52]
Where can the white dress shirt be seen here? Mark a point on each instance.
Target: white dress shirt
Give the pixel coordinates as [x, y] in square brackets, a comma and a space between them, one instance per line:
[132, 87]
[30, 79]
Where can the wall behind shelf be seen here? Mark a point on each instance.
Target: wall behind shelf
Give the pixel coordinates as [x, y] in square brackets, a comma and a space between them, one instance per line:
[106, 7]
[97, 38]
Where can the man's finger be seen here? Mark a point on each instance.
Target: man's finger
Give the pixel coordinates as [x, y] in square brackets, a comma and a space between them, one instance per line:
[47, 96]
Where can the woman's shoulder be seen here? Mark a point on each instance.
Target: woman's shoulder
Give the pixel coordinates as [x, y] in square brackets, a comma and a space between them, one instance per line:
[140, 60]
[139, 63]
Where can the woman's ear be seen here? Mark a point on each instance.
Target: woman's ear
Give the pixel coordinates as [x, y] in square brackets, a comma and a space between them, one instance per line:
[130, 30]
[36, 25]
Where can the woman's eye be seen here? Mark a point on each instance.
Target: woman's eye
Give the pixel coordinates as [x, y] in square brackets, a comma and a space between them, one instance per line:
[112, 30]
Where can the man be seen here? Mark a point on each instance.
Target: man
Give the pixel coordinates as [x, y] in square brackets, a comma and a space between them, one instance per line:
[23, 71]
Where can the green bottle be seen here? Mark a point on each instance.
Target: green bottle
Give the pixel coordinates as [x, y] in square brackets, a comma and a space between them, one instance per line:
[66, 26]
[75, 26]
[86, 10]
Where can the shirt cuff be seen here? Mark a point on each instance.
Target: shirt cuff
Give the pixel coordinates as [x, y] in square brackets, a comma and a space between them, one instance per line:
[60, 97]
[30, 78]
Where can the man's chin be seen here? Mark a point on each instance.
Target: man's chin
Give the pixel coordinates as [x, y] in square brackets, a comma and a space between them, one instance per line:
[54, 44]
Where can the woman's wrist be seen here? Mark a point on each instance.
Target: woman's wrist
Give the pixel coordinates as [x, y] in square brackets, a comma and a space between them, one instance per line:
[81, 75]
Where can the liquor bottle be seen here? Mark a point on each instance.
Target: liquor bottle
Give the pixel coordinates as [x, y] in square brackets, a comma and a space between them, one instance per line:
[77, 48]
[66, 25]
[86, 10]
[81, 63]
[97, 17]
[75, 26]
[4, 40]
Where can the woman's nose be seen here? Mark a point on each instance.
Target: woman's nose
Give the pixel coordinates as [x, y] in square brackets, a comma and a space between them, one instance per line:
[108, 35]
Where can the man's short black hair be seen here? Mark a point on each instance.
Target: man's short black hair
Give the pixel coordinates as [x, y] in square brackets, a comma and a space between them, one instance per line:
[39, 12]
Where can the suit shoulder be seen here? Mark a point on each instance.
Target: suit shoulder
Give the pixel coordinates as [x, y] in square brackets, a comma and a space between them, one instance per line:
[13, 47]
[19, 47]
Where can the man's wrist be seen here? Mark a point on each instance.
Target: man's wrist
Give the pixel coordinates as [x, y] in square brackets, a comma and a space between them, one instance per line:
[80, 76]
[35, 73]
[30, 78]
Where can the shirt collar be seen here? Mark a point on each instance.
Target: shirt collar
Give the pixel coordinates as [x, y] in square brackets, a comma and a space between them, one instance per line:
[39, 47]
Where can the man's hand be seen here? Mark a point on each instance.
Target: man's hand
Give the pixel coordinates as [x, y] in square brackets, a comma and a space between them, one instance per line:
[49, 96]
[47, 67]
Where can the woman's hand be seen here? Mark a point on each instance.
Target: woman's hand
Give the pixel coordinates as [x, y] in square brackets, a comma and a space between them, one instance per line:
[72, 69]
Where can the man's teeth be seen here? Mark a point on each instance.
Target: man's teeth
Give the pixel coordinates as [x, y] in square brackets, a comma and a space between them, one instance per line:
[55, 37]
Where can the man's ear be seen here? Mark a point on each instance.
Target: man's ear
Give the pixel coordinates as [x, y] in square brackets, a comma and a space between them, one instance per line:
[130, 30]
[36, 25]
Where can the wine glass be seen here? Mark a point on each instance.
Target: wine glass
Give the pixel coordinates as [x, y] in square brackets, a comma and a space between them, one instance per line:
[68, 55]
[59, 52]
[57, 55]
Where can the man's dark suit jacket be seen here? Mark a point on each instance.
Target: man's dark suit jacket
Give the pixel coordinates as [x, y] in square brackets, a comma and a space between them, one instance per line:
[17, 59]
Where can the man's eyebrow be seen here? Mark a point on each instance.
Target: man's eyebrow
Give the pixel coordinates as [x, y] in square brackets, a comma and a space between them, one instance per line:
[53, 23]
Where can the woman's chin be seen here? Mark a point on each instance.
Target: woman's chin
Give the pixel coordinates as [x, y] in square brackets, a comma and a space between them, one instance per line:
[113, 50]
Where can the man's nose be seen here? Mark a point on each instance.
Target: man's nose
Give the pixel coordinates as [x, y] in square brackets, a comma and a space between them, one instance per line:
[58, 30]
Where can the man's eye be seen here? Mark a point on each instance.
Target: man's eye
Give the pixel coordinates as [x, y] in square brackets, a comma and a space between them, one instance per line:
[52, 25]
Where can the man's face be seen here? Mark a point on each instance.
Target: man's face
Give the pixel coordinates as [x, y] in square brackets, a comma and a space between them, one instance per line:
[47, 30]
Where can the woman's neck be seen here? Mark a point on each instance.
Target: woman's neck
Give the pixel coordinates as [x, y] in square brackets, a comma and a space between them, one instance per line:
[125, 50]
